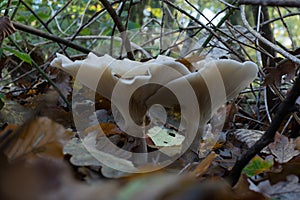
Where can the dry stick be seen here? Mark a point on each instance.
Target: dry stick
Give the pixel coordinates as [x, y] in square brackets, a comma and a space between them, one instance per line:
[286, 3]
[42, 34]
[120, 27]
[283, 110]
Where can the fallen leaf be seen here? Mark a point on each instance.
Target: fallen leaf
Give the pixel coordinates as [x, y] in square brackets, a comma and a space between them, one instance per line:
[91, 152]
[257, 165]
[297, 143]
[63, 83]
[166, 140]
[283, 148]
[39, 137]
[274, 74]
[231, 110]
[247, 137]
[204, 165]
[242, 190]
[289, 189]
[14, 113]
[281, 172]
[108, 129]
[50, 180]
[80, 155]
[6, 27]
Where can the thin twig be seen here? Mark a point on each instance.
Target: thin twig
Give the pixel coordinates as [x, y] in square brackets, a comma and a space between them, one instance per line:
[212, 32]
[125, 28]
[162, 26]
[101, 37]
[279, 18]
[117, 20]
[264, 40]
[42, 34]
[286, 27]
[57, 12]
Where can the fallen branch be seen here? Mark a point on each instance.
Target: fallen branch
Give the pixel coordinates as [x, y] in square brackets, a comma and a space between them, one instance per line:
[284, 109]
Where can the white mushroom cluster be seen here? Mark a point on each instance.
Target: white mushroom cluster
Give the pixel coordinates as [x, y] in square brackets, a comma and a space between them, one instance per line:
[161, 81]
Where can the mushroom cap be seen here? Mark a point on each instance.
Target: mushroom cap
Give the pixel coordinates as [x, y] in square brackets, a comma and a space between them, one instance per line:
[218, 79]
[107, 71]
[160, 81]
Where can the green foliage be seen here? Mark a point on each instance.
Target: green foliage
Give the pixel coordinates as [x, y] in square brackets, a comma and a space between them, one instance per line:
[2, 97]
[257, 166]
[23, 56]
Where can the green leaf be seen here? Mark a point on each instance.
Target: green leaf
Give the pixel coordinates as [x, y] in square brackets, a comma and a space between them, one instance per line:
[257, 165]
[86, 32]
[3, 4]
[2, 97]
[133, 25]
[23, 56]
[43, 16]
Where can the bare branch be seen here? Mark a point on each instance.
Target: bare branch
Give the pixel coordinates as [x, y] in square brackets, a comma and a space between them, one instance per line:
[42, 34]
[120, 27]
[286, 3]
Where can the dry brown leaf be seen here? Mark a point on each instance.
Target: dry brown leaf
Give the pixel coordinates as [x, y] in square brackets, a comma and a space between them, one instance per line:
[108, 129]
[51, 180]
[281, 172]
[8, 128]
[246, 136]
[231, 110]
[189, 60]
[283, 148]
[39, 137]
[274, 74]
[6, 27]
[297, 143]
[242, 190]
[204, 165]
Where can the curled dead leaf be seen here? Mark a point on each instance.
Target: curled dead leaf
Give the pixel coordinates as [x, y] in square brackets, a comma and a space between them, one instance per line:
[6, 27]
[38, 137]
